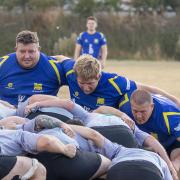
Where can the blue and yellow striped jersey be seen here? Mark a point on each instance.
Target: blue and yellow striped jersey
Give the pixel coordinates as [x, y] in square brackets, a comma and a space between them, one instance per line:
[17, 84]
[109, 90]
[91, 43]
[164, 123]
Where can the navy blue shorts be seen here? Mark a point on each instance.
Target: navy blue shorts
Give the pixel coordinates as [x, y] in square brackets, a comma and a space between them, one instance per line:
[83, 166]
[135, 169]
[6, 164]
[119, 134]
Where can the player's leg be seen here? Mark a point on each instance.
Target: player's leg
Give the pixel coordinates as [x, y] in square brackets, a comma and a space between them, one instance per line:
[26, 168]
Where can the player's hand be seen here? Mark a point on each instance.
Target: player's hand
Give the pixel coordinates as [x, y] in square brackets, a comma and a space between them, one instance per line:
[128, 121]
[67, 130]
[31, 108]
[178, 103]
[70, 150]
[102, 64]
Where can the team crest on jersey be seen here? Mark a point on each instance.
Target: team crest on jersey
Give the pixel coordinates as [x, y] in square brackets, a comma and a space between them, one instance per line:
[154, 135]
[10, 85]
[86, 40]
[100, 101]
[96, 41]
[37, 87]
[76, 93]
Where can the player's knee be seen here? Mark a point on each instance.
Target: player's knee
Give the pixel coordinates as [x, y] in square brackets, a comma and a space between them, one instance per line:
[103, 168]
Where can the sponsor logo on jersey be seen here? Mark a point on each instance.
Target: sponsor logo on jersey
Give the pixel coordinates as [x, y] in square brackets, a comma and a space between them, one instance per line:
[37, 87]
[76, 94]
[10, 85]
[100, 101]
[96, 41]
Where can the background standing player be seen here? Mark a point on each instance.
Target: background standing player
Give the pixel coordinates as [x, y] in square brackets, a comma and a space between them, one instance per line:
[91, 42]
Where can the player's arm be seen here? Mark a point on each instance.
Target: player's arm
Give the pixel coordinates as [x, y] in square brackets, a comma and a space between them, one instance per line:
[5, 103]
[77, 51]
[89, 134]
[116, 112]
[54, 145]
[156, 90]
[103, 55]
[151, 142]
[48, 122]
[39, 101]
[41, 97]
[11, 122]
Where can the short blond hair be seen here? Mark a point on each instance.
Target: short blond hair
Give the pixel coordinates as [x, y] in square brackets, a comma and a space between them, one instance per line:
[87, 67]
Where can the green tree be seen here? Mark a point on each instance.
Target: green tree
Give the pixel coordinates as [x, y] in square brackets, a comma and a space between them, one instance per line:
[85, 8]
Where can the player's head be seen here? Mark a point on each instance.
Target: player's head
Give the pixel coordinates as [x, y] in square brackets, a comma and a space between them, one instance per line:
[88, 72]
[91, 24]
[141, 105]
[27, 49]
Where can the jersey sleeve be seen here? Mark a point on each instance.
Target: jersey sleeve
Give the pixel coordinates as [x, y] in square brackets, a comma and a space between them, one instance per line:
[61, 68]
[28, 141]
[67, 68]
[80, 113]
[140, 135]
[79, 39]
[3, 59]
[122, 84]
[172, 120]
[103, 40]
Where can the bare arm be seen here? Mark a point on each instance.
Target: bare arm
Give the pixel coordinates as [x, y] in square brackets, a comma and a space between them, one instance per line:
[41, 97]
[52, 144]
[156, 90]
[103, 55]
[7, 104]
[48, 122]
[48, 101]
[89, 134]
[116, 112]
[11, 122]
[77, 51]
[151, 142]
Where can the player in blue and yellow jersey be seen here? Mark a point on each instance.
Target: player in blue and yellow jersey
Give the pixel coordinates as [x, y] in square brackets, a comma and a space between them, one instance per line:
[91, 88]
[96, 88]
[91, 42]
[28, 71]
[160, 117]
